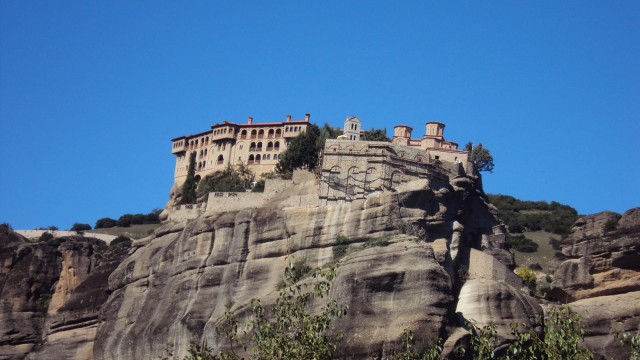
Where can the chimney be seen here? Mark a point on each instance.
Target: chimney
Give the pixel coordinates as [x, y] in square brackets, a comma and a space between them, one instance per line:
[288, 118]
[250, 120]
[306, 117]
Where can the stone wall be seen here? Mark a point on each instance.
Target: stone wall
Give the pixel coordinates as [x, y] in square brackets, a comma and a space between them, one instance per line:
[354, 169]
[34, 234]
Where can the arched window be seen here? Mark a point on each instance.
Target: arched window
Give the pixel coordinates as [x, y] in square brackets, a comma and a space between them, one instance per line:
[243, 134]
[267, 157]
[276, 145]
[205, 152]
[259, 148]
[220, 159]
[252, 147]
[286, 129]
[260, 134]
[278, 133]
[271, 133]
[254, 134]
[269, 146]
[258, 159]
[251, 159]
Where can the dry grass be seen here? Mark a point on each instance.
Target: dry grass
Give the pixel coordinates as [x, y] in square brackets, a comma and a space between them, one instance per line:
[545, 254]
[133, 232]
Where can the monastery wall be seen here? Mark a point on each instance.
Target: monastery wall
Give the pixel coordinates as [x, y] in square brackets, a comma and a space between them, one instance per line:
[34, 234]
[353, 169]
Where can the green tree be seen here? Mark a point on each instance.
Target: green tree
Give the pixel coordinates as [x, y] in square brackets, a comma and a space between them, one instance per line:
[287, 329]
[80, 227]
[302, 152]
[190, 183]
[230, 179]
[104, 223]
[528, 277]
[480, 157]
[375, 135]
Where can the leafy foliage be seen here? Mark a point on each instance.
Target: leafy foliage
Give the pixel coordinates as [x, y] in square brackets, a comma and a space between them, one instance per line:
[287, 330]
[633, 341]
[46, 236]
[610, 225]
[328, 132]
[341, 247]
[80, 227]
[375, 135]
[563, 335]
[408, 352]
[190, 183]
[528, 277]
[480, 157]
[127, 220]
[302, 152]
[522, 216]
[236, 179]
[521, 243]
[482, 340]
[121, 240]
[5, 228]
[104, 223]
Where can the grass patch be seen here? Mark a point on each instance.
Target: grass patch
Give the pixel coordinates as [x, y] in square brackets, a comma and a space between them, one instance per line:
[545, 256]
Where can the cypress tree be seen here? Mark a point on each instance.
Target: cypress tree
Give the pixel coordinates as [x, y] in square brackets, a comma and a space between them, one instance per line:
[190, 184]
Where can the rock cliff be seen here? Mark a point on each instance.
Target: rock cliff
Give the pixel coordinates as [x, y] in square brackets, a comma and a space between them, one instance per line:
[50, 295]
[427, 256]
[177, 283]
[601, 278]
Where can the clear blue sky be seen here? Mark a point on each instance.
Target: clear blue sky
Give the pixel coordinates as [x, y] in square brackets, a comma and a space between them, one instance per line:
[92, 92]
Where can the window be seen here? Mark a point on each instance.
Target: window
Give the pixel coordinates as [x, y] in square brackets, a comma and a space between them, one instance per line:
[220, 159]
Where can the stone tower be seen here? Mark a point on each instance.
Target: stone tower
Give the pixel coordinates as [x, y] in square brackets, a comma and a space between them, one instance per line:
[434, 136]
[402, 134]
[352, 128]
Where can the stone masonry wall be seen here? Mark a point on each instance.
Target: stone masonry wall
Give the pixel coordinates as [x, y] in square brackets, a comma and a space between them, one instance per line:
[354, 169]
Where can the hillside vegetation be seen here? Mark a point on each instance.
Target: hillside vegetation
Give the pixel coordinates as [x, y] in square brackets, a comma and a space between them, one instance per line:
[522, 216]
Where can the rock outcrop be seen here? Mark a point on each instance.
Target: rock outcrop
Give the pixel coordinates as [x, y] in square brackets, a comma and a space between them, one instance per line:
[178, 283]
[426, 257]
[51, 293]
[601, 278]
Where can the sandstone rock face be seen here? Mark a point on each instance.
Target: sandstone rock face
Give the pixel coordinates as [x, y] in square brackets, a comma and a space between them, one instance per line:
[601, 280]
[177, 284]
[410, 253]
[50, 295]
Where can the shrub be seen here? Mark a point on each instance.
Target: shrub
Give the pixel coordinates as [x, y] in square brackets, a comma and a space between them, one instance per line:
[259, 186]
[77, 227]
[5, 228]
[535, 266]
[287, 330]
[528, 277]
[610, 225]
[124, 220]
[414, 230]
[341, 247]
[559, 255]
[121, 240]
[521, 243]
[104, 223]
[555, 244]
[46, 236]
